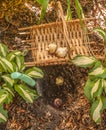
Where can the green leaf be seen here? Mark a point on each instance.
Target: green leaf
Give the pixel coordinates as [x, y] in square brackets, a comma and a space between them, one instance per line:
[44, 4]
[95, 88]
[13, 54]
[98, 71]
[3, 115]
[102, 33]
[6, 64]
[69, 13]
[28, 94]
[96, 110]
[7, 78]
[87, 89]
[23, 77]
[9, 89]
[84, 61]
[79, 11]
[3, 50]
[5, 97]
[20, 62]
[104, 85]
[35, 72]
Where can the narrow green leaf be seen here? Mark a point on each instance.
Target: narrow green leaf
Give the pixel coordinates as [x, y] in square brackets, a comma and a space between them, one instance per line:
[79, 11]
[69, 13]
[19, 62]
[84, 61]
[44, 4]
[104, 85]
[3, 50]
[7, 78]
[5, 97]
[7, 64]
[28, 94]
[3, 115]
[13, 54]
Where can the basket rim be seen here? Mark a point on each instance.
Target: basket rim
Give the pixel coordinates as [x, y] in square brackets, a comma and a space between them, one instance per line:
[53, 23]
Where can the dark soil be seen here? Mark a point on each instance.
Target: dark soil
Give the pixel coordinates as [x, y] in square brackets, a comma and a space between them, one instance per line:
[59, 107]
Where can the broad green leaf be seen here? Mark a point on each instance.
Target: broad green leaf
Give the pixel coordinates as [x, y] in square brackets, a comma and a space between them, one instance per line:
[7, 78]
[98, 71]
[87, 89]
[95, 88]
[3, 50]
[99, 91]
[23, 77]
[28, 94]
[35, 72]
[7, 64]
[96, 109]
[69, 13]
[102, 33]
[3, 115]
[84, 61]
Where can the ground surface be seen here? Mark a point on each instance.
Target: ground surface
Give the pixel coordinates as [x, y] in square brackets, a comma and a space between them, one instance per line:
[60, 107]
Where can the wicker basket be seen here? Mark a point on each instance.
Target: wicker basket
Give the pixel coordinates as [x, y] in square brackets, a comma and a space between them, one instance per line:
[65, 34]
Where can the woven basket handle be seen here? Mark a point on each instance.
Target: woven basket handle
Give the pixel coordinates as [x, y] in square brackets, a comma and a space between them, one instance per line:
[66, 34]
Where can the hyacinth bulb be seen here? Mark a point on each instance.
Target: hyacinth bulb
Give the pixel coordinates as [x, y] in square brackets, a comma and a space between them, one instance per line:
[52, 48]
[61, 52]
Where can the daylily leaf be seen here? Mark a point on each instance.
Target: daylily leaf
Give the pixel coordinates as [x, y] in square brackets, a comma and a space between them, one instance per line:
[3, 115]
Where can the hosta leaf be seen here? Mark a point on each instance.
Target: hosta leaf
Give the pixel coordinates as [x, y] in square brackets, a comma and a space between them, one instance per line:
[20, 62]
[102, 33]
[23, 77]
[13, 54]
[28, 94]
[5, 97]
[3, 115]
[95, 88]
[83, 61]
[3, 50]
[35, 72]
[98, 71]
[87, 89]
[97, 108]
[7, 64]
[8, 79]
[9, 89]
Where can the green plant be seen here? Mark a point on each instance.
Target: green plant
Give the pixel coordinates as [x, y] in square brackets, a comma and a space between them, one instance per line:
[44, 4]
[95, 87]
[79, 10]
[15, 77]
[101, 33]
